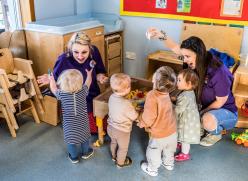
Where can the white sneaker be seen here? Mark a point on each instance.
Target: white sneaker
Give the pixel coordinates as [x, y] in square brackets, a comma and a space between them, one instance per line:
[145, 168]
[168, 167]
[210, 140]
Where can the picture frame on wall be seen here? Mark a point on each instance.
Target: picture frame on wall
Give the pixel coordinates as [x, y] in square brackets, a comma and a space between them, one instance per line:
[231, 8]
[162, 4]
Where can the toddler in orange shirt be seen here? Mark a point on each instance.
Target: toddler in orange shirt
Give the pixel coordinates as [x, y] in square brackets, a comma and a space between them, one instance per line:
[160, 121]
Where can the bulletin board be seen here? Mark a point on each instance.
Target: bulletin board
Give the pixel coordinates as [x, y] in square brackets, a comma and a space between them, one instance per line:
[212, 11]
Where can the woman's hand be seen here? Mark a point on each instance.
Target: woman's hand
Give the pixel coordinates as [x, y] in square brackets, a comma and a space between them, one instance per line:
[217, 104]
[102, 78]
[43, 79]
[154, 33]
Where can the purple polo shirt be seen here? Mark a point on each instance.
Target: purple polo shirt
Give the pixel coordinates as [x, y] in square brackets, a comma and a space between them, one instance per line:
[218, 83]
[65, 62]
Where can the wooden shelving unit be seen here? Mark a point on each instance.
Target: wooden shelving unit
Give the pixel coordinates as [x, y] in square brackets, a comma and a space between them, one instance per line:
[240, 92]
[162, 58]
[113, 53]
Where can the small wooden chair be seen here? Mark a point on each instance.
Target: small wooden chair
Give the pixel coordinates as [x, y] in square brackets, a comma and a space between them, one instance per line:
[16, 72]
[4, 114]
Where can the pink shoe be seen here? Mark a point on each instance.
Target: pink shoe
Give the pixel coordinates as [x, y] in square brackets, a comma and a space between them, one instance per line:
[182, 157]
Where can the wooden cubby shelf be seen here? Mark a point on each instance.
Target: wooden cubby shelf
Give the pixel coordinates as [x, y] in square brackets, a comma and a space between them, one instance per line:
[240, 92]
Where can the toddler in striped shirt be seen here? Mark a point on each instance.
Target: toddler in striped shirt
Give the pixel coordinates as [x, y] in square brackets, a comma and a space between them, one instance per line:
[72, 94]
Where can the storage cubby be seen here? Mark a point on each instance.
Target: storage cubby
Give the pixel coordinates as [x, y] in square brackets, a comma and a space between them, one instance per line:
[113, 53]
[240, 92]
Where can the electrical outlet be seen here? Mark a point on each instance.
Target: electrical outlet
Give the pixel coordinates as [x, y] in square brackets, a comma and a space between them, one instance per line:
[130, 55]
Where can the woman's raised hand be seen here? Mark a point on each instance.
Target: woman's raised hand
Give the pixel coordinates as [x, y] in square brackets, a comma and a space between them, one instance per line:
[43, 79]
[154, 33]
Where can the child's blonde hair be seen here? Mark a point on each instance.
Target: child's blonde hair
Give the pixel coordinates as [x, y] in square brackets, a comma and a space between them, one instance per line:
[164, 79]
[190, 77]
[70, 80]
[119, 83]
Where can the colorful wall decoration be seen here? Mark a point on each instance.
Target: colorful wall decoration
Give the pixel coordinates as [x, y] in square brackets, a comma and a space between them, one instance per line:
[211, 11]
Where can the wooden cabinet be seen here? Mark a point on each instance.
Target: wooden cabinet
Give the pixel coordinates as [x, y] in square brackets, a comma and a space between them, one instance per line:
[113, 53]
[44, 48]
[240, 92]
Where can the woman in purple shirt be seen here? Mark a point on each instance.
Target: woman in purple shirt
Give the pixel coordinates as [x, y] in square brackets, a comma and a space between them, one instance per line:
[81, 55]
[214, 93]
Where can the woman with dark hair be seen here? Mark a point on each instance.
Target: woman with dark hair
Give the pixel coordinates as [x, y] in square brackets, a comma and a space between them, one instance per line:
[214, 92]
[81, 55]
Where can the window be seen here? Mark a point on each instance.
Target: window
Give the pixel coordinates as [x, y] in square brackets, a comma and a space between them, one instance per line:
[9, 15]
[1, 18]
[3, 15]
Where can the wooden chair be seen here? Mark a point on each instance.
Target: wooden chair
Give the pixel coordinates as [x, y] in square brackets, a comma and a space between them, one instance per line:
[4, 114]
[17, 74]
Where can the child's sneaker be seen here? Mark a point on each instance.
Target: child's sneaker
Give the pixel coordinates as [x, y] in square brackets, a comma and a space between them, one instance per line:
[146, 169]
[126, 163]
[73, 160]
[113, 159]
[182, 157]
[168, 167]
[88, 155]
[210, 140]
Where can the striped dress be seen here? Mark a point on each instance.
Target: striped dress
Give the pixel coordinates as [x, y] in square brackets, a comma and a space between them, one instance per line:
[75, 117]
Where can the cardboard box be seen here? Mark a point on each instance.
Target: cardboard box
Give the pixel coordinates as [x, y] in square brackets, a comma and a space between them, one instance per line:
[52, 111]
[100, 103]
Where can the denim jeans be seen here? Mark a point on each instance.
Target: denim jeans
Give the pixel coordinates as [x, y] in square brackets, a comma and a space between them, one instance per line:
[225, 120]
[85, 149]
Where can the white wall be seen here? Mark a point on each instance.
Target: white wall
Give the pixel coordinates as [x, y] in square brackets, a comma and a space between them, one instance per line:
[135, 27]
[45, 9]
[84, 6]
[134, 35]
[244, 48]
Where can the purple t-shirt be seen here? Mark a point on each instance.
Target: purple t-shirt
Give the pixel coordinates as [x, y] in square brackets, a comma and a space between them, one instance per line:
[218, 82]
[65, 62]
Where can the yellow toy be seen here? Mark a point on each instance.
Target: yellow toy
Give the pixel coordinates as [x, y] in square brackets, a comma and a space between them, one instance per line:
[241, 138]
[137, 98]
